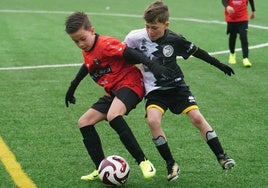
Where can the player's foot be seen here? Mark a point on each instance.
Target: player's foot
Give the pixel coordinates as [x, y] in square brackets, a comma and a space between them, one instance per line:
[92, 176]
[232, 59]
[147, 169]
[246, 62]
[226, 162]
[173, 172]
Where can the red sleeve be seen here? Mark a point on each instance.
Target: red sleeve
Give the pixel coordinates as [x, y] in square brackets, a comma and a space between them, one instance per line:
[113, 47]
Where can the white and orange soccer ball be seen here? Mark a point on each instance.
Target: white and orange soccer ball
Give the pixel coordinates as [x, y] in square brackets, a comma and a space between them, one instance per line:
[113, 170]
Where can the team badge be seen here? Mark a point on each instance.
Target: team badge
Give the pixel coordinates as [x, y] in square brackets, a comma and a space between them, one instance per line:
[168, 51]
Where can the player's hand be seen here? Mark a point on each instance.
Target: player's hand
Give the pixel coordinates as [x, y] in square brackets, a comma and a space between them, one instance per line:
[69, 97]
[160, 71]
[225, 68]
[230, 10]
[252, 16]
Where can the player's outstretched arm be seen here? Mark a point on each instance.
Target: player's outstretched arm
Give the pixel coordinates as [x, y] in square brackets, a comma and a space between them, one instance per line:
[202, 54]
[69, 97]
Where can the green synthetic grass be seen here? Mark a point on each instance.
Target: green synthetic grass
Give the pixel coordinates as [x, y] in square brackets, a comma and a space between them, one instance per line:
[42, 132]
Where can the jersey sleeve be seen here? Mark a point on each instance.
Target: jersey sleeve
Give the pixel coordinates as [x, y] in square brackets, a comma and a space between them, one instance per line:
[113, 47]
[252, 5]
[185, 48]
[130, 39]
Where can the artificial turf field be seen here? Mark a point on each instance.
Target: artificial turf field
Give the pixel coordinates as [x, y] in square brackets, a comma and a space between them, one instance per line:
[38, 61]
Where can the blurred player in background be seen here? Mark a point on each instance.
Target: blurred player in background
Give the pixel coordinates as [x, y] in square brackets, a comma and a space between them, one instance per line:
[236, 16]
[163, 46]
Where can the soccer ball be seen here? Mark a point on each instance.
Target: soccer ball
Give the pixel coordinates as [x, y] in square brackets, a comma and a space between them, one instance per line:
[113, 170]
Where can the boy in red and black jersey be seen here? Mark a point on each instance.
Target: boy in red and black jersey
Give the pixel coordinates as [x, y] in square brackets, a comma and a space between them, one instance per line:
[236, 16]
[105, 61]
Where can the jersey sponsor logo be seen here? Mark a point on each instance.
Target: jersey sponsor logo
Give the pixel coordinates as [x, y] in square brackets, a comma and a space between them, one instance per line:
[98, 73]
[168, 50]
[237, 2]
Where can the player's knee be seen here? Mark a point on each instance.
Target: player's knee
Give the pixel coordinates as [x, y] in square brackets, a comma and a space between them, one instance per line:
[115, 111]
[197, 119]
[111, 116]
[84, 121]
[153, 122]
[81, 122]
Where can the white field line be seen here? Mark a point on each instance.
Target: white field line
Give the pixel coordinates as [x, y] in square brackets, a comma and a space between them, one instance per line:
[119, 15]
[79, 64]
[41, 66]
[240, 49]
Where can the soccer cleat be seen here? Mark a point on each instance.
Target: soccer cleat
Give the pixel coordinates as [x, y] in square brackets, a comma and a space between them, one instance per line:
[226, 162]
[173, 172]
[147, 169]
[232, 59]
[246, 62]
[92, 176]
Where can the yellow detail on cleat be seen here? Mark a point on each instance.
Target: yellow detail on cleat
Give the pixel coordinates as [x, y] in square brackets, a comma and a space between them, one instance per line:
[147, 169]
[92, 176]
[232, 58]
[246, 62]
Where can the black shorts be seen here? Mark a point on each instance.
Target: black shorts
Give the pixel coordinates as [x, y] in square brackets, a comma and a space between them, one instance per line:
[237, 27]
[126, 95]
[177, 100]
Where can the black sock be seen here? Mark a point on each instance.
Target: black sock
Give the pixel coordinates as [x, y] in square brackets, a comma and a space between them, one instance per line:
[93, 144]
[215, 146]
[127, 138]
[164, 150]
[166, 154]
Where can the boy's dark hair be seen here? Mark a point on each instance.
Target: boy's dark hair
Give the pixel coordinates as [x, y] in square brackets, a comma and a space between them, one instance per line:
[156, 12]
[75, 21]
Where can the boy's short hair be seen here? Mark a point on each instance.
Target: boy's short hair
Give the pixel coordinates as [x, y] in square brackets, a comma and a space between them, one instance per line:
[156, 12]
[75, 21]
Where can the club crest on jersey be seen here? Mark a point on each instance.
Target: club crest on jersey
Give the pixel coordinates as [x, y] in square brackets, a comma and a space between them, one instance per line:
[168, 50]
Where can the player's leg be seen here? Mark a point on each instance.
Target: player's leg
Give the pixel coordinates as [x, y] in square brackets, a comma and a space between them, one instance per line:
[209, 135]
[232, 42]
[243, 34]
[154, 117]
[91, 139]
[122, 104]
[231, 30]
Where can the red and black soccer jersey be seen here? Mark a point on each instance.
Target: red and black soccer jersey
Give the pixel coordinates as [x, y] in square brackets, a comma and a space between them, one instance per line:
[108, 68]
[241, 11]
